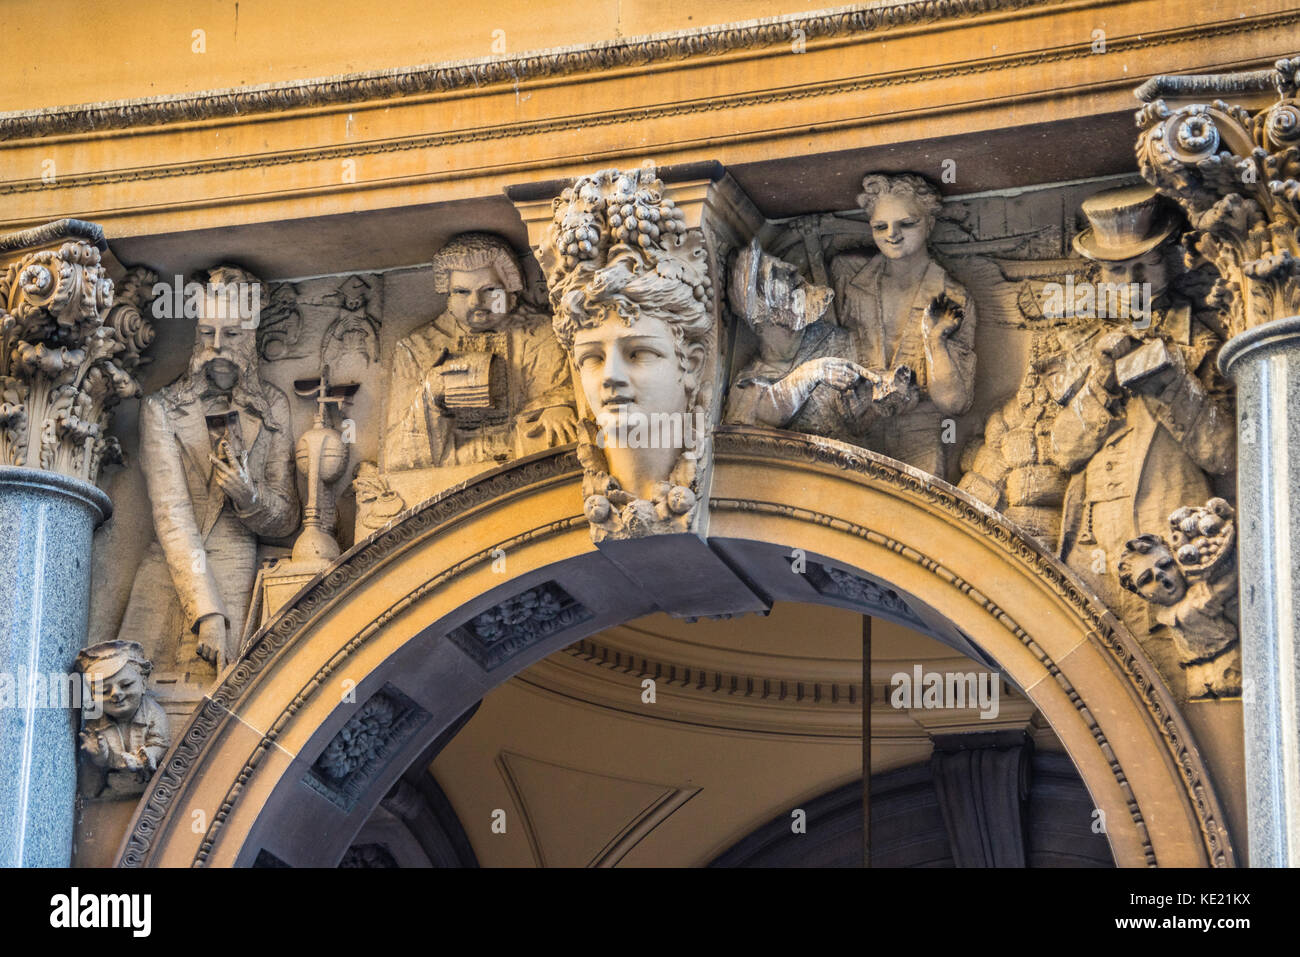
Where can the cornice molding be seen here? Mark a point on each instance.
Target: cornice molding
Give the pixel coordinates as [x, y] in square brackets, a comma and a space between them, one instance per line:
[442, 139]
[881, 15]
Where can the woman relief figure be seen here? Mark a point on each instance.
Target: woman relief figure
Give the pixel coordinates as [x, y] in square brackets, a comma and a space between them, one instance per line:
[902, 309]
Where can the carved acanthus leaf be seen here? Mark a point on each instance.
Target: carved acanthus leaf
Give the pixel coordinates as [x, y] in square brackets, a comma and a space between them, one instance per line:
[1236, 174]
[66, 358]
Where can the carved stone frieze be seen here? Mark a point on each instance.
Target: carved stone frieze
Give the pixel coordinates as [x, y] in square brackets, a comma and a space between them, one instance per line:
[870, 596]
[67, 355]
[1236, 174]
[1143, 420]
[485, 381]
[124, 731]
[633, 304]
[902, 310]
[377, 501]
[801, 376]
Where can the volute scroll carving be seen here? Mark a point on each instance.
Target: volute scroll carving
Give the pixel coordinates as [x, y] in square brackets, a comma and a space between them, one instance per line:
[1236, 174]
[67, 358]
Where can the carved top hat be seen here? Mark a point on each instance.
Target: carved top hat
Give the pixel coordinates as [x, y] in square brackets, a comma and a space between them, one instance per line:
[1124, 223]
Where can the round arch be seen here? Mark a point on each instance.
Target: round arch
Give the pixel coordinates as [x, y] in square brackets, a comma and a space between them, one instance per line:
[378, 657]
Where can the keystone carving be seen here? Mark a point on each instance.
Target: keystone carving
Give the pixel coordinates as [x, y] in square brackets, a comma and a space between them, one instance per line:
[1191, 580]
[633, 305]
[67, 357]
[123, 742]
[1236, 174]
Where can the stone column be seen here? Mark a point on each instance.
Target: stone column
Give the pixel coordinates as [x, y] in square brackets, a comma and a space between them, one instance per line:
[46, 523]
[1264, 362]
[67, 358]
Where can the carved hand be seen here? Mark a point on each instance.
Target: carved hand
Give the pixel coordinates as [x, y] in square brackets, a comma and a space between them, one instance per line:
[212, 637]
[92, 744]
[558, 424]
[839, 374]
[1105, 351]
[131, 762]
[941, 318]
[232, 475]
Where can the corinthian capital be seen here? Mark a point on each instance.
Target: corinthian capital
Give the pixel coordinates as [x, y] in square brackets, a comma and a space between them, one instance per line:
[1235, 171]
[66, 356]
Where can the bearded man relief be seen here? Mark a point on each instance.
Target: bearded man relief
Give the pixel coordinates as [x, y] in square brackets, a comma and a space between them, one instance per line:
[216, 450]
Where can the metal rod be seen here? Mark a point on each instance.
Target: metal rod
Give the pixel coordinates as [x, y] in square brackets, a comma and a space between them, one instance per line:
[866, 740]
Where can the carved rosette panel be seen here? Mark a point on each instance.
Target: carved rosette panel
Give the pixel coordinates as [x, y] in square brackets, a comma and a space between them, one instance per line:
[67, 355]
[1236, 174]
[503, 631]
[619, 253]
[363, 745]
[839, 585]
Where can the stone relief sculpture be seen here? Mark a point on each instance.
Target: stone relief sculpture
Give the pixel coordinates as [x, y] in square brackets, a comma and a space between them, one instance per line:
[322, 457]
[1191, 580]
[632, 300]
[126, 736]
[351, 342]
[800, 378]
[377, 501]
[280, 324]
[902, 309]
[67, 357]
[1012, 468]
[485, 381]
[216, 449]
[1143, 423]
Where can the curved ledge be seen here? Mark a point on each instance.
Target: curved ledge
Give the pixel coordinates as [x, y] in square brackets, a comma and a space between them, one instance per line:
[1273, 333]
[92, 496]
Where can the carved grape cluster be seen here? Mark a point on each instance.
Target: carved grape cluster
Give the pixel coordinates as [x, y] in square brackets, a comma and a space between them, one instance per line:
[1203, 536]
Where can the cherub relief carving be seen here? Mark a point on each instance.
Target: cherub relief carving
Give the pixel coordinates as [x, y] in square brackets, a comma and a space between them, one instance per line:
[216, 450]
[485, 381]
[124, 730]
[800, 378]
[1191, 581]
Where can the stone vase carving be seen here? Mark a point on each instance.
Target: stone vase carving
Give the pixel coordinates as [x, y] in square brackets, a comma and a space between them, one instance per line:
[633, 305]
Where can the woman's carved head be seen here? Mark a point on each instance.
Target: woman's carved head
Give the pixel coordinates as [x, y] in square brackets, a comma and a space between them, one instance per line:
[902, 211]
